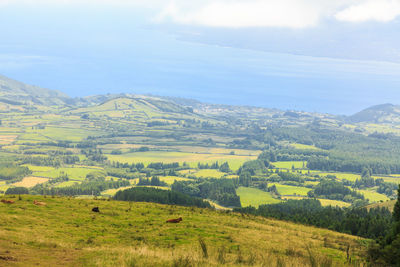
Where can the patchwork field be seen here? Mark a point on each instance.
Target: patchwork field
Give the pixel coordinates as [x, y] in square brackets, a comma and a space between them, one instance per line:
[7, 139]
[135, 234]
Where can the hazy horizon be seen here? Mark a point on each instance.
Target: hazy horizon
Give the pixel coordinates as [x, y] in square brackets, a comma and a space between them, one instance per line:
[328, 58]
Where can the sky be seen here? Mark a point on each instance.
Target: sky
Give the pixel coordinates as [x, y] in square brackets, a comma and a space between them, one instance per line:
[315, 55]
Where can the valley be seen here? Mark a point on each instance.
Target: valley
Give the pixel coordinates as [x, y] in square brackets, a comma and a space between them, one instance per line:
[74, 153]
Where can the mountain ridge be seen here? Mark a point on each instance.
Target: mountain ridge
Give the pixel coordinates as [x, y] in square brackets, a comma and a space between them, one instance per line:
[14, 94]
[382, 113]
[20, 93]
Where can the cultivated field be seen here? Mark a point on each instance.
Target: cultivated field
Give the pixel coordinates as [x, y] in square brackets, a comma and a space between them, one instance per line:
[235, 161]
[254, 197]
[30, 181]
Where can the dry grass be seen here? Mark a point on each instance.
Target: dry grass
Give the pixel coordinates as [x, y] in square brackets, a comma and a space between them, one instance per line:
[65, 232]
[31, 181]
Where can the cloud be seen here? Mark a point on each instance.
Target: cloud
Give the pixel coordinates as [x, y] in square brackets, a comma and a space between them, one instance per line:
[297, 14]
[249, 13]
[372, 10]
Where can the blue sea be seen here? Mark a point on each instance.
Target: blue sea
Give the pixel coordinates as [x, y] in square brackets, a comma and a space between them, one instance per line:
[97, 56]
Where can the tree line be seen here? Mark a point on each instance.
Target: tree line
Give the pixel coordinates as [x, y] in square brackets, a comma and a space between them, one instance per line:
[148, 194]
[371, 223]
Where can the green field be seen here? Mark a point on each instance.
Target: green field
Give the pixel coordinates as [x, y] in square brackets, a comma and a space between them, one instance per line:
[389, 179]
[373, 196]
[59, 133]
[3, 186]
[171, 179]
[289, 164]
[39, 168]
[291, 190]
[301, 146]
[341, 175]
[254, 197]
[329, 202]
[66, 233]
[386, 204]
[205, 173]
[67, 183]
[324, 202]
[77, 173]
[235, 161]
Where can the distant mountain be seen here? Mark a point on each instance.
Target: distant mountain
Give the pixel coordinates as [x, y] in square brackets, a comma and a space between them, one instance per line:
[385, 113]
[16, 93]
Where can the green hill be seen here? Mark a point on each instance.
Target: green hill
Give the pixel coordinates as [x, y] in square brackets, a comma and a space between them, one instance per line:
[16, 93]
[385, 113]
[66, 232]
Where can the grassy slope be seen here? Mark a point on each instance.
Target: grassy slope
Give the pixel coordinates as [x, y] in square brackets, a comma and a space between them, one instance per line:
[66, 232]
[387, 204]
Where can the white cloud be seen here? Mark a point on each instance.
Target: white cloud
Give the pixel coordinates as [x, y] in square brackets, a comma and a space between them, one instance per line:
[245, 13]
[250, 13]
[372, 10]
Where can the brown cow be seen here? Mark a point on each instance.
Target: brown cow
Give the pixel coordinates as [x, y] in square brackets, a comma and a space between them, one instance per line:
[175, 220]
[5, 201]
[38, 203]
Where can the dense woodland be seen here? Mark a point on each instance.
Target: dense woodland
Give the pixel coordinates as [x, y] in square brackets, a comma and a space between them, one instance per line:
[386, 249]
[93, 188]
[222, 191]
[144, 194]
[374, 223]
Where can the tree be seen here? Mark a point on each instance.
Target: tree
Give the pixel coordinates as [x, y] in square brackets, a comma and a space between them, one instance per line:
[225, 167]
[387, 252]
[396, 211]
[17, 191]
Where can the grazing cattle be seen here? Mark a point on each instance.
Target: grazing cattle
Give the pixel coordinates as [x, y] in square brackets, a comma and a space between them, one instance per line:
[5, 201]
[38, 203]
[96, 209]
[175, 220]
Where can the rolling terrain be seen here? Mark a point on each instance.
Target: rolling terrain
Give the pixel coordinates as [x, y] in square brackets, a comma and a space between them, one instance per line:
[78, 153]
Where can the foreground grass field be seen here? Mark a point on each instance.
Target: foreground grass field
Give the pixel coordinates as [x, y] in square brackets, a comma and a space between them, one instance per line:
[66, 232]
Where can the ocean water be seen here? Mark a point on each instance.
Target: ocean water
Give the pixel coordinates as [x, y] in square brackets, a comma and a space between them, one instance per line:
[97, 56]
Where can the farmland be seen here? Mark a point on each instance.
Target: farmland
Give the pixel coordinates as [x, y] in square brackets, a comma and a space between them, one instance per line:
[288, 190]
[254, 197]
[90, 151]
[235, 161]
